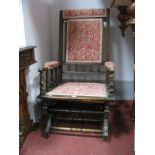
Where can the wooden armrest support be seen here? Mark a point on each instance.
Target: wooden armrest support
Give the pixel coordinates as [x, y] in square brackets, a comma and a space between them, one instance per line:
[110, 68]
[52, 68]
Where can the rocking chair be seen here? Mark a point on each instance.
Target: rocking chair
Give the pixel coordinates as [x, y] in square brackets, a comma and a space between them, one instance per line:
[68, 88]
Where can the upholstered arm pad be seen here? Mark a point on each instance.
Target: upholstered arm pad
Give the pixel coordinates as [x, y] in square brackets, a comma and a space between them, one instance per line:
[109, 65]
[49, 65]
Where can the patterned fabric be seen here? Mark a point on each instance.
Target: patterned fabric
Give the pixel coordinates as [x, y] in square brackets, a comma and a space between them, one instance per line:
[110, 65]
[51, 64]
[79, 13]
[84, 41]
[79, 89]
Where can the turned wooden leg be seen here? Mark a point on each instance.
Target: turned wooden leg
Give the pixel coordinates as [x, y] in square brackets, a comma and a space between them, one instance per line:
[105, 122]
[42, 80]
[48, 127]
[45, 109]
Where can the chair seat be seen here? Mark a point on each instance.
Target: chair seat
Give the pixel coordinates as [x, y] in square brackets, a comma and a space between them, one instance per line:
[79, 89]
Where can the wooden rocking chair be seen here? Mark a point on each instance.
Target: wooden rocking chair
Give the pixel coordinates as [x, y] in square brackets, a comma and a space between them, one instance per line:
[67, 90]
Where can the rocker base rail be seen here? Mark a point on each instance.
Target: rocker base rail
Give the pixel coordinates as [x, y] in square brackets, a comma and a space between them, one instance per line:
[77, 129]
[52, 118]
[50, 127]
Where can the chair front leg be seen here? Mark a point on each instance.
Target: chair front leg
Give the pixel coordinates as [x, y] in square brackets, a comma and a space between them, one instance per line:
[48, 126]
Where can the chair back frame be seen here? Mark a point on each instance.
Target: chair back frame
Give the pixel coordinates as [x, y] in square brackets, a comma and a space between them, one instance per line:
[76, 68]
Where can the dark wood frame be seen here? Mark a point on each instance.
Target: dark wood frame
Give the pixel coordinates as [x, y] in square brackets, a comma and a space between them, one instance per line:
[52, 77]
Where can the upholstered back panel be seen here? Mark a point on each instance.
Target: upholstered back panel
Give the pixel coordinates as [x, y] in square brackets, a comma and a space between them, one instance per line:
[84, 41]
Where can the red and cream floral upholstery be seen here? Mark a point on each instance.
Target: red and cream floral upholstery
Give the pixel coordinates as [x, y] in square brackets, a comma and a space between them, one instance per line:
[84, 13]
[84, 41]
[84, 36]
[81, 89]
[109, 65]
[51, 64]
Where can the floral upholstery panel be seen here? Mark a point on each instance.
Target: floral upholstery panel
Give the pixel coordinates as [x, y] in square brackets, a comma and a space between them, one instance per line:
[84, 41]
[79, 89]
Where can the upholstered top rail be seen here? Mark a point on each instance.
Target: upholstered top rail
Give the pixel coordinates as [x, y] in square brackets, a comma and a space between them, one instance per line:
[83, 13]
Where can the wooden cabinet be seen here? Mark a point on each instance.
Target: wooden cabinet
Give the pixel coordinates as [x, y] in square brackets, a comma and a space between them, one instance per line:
[26, 58]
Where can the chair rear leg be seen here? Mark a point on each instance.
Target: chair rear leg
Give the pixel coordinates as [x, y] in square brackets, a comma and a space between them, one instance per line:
[105, 122]
[48, 127]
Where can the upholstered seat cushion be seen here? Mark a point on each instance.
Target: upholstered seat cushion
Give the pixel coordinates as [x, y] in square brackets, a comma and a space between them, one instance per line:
[79, 89]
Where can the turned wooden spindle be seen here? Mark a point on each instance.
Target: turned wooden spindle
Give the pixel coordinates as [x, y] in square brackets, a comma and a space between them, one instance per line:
[42, 80]
[110, 81]
[131, 12]
[123, 17]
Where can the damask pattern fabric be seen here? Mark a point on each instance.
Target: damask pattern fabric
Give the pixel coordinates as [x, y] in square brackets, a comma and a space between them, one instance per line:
[80, 89]
[84, 41]
[84, 13]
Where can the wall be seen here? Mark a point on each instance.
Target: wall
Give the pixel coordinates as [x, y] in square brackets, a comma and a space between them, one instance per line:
[41, 19]
[37, 32]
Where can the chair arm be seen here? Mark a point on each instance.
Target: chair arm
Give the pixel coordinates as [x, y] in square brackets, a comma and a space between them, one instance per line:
[44, 72]
[110, 68]
[49, 65]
